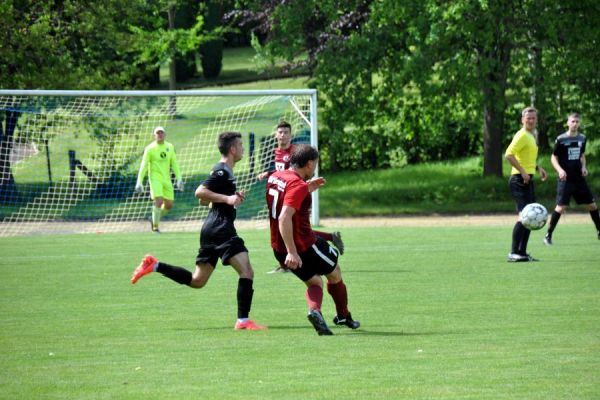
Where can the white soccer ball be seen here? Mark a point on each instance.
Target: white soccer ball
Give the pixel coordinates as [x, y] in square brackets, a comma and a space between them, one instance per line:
[534, 216]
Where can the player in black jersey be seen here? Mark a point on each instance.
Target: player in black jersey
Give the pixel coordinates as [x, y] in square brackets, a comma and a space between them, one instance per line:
[218, 237]
[568, 159]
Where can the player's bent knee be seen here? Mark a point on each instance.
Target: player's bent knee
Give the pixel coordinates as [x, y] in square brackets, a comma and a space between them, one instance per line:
[314, 280]
[247, 273]
[198, 283]
[335, 276]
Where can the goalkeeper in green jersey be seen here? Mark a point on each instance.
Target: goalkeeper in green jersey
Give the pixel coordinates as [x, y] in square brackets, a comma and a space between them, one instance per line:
[157, 162]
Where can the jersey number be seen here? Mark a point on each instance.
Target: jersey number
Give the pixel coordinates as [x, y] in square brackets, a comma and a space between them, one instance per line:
[275, 194]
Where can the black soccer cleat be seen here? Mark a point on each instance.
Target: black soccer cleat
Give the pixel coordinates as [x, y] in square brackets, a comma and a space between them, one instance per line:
[337, 241]
[548, 239]
[348, 321]
[317, 321]
[531, 258]
[515, 257]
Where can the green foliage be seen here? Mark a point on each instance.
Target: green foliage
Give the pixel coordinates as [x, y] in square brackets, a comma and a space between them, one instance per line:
[160, 45]
[69, 45]
[455, 187]
[413, 81]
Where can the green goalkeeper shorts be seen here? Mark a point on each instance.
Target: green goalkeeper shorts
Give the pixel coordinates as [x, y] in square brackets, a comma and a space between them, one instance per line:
[160, 188]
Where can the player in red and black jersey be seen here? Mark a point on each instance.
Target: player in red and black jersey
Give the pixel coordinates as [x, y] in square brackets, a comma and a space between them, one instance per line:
[218, 237]
[568, 159]
[283, 153]
[297, 246]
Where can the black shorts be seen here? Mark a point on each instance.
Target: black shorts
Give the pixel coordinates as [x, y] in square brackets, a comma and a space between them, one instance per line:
[522, 194]
[578, 189]
[319, 259]
[210, 253]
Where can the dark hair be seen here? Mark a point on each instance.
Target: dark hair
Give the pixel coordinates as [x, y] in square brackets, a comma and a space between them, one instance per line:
[284, 124]
[302, 154]
[226, 140]
[574, 115]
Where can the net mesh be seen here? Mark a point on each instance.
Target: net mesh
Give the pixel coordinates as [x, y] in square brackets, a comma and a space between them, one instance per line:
[68, 164]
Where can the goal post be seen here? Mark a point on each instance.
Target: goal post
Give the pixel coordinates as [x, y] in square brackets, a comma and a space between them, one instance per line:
[69, 159]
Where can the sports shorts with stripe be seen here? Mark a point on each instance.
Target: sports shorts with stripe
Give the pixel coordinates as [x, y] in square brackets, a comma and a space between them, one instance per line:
[319, 259]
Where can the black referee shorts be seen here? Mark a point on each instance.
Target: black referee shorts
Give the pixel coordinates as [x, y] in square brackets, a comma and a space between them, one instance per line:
[578, 189]
[319, 259]
[522, 193]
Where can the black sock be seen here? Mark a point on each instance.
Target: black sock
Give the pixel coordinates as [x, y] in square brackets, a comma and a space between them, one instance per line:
[517, 236]
[553, 221]
[178, 274]
[596, 218]
[244, 297]
[524, 240]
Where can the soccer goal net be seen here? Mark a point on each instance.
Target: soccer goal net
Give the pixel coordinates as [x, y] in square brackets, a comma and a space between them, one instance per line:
[69, 159]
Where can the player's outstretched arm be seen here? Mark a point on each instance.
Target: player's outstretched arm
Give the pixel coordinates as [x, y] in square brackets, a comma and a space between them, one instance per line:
[315, 183]
[175, 167]
[263, 175]
[139, 187]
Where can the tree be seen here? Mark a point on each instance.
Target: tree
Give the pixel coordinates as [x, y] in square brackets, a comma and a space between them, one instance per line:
[185, 17]
[416, 80]
[7, 130]
[70, 45]
[212, 51]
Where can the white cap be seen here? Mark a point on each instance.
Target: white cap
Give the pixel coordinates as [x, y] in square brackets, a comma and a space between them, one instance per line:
[159, 128]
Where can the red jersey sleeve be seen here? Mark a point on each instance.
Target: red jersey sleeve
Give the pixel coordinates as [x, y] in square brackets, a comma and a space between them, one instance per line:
[295, 194]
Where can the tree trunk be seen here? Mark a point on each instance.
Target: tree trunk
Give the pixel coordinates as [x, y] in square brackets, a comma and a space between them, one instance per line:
[185, 17]
[494, 82]
[539, 96]
[493, 128]
[172, 68]
[8, 188]
[212, 52]
[493, 62]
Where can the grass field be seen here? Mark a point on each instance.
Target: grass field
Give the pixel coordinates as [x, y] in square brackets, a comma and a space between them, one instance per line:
[443, 316]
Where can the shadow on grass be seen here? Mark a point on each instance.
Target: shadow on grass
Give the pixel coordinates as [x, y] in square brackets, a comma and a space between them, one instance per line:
[374, 271]
[367, 332]
[335, 330]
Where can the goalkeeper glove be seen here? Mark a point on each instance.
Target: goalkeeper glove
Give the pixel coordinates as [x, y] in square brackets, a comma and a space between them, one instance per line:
[179, 185]
[139, 188]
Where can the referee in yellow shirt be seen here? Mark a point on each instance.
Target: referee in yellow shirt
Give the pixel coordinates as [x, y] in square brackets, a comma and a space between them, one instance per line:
[157, 162]
[522, 155]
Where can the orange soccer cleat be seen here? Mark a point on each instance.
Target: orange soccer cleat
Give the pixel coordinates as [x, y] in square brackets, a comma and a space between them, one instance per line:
[145, 267]
[249, 325]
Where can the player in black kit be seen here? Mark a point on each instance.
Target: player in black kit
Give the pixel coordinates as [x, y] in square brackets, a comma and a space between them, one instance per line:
[218, 237]
[568, 159]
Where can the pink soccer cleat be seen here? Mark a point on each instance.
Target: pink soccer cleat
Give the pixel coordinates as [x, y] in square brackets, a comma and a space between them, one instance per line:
[145, 267]
[249, 325]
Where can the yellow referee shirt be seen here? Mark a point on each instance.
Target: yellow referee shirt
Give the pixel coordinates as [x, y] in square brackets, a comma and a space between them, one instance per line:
[524, 148]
